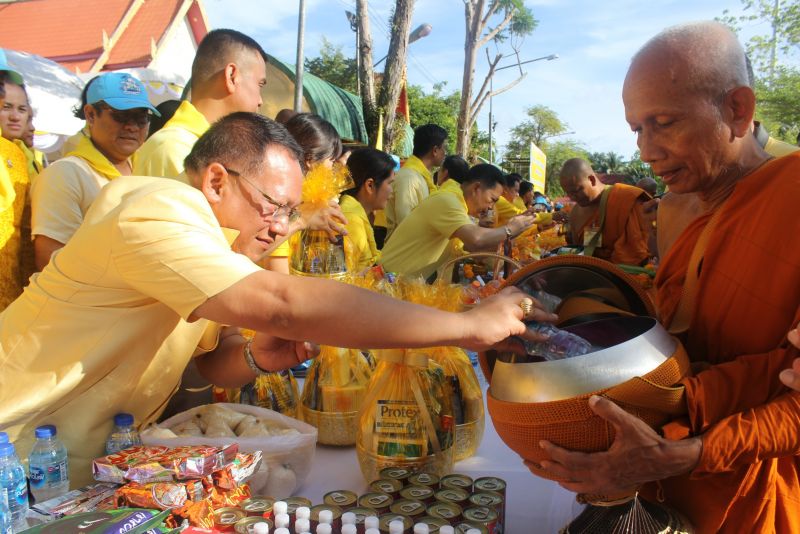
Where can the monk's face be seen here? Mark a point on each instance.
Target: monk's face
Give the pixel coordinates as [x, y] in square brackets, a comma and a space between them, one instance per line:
[581, 189]
[680, 132]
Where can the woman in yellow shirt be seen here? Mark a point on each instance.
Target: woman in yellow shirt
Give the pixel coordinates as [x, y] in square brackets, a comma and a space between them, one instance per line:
[117, 114]
[373, 173]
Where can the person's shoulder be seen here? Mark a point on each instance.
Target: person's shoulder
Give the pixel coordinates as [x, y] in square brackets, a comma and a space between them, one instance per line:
[777, 148]
[630, 191]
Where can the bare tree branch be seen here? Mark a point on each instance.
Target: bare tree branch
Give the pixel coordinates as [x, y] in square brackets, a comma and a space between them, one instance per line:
[491, 35]
[492, 10]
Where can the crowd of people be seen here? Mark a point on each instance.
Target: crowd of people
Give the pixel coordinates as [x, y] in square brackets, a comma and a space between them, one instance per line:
[141, 252]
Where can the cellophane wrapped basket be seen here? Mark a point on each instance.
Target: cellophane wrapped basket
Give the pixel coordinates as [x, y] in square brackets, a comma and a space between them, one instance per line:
[406, 419]
[334, 390]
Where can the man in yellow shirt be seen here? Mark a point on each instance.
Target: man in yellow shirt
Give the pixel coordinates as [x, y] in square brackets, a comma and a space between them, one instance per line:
[506, 206]
[419, 245]
[228, 72]
[112, 321]
[414, 182]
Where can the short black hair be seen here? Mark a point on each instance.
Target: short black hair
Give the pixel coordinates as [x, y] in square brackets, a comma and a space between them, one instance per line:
[239, 140]
[456, 167]
[510, 179]
[78, 109]
[3, 79]
[488, 175]
[367, 163]
[318, 137]
[167, 109]
[217, 49]
[426, 137]
[525, 187]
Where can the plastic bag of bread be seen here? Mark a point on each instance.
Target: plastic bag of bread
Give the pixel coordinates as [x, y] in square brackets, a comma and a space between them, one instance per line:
[287, 445]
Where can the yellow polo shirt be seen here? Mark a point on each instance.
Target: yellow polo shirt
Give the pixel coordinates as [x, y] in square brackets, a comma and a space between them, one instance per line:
[163, 153]
[519, 203]
[412, 184]
[360, 235]
[16, 253]
[419, 245]
[103, 328]
[504, 210]
[777, 148]
[63, 192]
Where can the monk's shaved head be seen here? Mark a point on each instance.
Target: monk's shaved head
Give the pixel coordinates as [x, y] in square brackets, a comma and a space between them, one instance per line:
[705, 55]
[649, 185]
[575, 169]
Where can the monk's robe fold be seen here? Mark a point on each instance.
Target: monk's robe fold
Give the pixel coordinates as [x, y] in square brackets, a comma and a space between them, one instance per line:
[748, 297]
[625, 232]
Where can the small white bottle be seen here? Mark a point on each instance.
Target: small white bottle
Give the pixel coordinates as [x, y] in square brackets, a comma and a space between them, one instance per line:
[473, 531]
[447, 529]
[280, 507]
[283, 530]
[349, 529]
[324, 528]
[301, 525]
[421, 528]
[372, 521]
[261, 528]
[396, 527]
[281, 521]
[348, 518]
[325, 517]
[302, 512]
[372, 531]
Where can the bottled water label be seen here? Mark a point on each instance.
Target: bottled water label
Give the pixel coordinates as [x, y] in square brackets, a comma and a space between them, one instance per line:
[49, 475]
[18, 495]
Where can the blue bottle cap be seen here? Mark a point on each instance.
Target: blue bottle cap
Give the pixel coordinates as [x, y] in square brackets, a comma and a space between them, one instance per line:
[45, 431]
[123, 419]
[7, 449]
[4, 437]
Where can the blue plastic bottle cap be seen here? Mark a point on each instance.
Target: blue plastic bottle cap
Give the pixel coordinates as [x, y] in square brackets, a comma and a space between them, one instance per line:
[45, 431]
[6, 449]
[4, 437]
[123, 419]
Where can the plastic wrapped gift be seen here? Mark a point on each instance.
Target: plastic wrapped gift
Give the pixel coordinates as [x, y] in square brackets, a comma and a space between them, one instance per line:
[276, 391]
[313, 253]
[333, 393]
[406, 419]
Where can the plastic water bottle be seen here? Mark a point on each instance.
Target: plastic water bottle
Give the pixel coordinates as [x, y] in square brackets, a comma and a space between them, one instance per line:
[123, 435]
[48, 465]
[5, 512]
[13, 485]
[560, 344]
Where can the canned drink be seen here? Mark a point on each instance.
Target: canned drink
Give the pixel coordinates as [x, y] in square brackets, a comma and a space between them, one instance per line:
[225, 519]
[335, 511]
[258, 506]
[246, 525]
[434, 523]
[483, 516]
[385, 519]
[453, 495]
[409, 507]
[395, 473]
[344, 499]
[380, 502]
[424, 479]
[448, 511]
[362, 513]
[390, 486]
[465, 526]
[293, 503]
[456, 481]
[418, 493]
[490, 484]
[492, 500]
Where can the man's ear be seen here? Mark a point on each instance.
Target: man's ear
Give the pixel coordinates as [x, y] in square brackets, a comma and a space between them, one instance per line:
[214, 183]
[90, 112]
[232, 74]
[369, 185]
[593, 179]
[739, 107]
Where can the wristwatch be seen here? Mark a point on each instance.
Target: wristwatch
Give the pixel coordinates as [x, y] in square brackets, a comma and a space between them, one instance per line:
[251, 362]
[508, 231]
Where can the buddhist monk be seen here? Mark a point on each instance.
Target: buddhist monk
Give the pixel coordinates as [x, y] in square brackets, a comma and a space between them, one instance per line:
[607, 219]
[731, 465]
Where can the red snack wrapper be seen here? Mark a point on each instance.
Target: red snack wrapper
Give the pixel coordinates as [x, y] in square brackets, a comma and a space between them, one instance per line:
[222, 498]
[160, 495]
[201, 513]
[162, 464]
[112, 468]
[236, 473]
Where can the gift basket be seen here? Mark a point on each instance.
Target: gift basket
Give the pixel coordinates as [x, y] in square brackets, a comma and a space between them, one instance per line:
[286, 445]
[406, 419]
[633, 361]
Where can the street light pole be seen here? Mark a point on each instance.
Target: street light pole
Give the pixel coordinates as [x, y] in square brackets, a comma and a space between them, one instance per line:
[298, 77]
[551, 57]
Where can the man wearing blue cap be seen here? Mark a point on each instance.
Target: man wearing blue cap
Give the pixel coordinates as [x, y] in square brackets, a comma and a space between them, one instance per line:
[13, 196]
[117, 115]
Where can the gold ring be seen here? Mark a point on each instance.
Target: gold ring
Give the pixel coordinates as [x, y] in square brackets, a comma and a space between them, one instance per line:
[526, 305]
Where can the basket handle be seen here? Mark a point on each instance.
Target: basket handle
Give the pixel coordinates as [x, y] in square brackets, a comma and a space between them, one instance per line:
[447, 267]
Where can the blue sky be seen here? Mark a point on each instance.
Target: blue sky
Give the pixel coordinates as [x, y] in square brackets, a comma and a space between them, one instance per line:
[595, 41]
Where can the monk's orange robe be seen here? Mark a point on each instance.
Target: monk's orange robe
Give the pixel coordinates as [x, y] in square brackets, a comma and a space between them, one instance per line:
[625, 231]
[748, 477]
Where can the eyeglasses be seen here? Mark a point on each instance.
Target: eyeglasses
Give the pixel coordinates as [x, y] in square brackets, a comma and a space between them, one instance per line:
[280, 210]
[140, 117]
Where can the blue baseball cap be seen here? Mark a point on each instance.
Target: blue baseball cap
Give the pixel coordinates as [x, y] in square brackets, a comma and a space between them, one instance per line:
[120, 91]
[396, 160]
[13, 75]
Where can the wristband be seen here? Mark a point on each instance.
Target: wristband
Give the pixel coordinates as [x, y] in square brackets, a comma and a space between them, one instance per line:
[251, 362]
[508, 231]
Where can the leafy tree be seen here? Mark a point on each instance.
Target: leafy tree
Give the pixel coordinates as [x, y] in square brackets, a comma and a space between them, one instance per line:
[779, 104]
[334, 67]
[557, 153]
[541, 124]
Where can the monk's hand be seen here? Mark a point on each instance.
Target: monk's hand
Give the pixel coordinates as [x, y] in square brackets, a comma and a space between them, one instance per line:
[791, 377]
[275, 354]
[495, 319]
[328, 219]
[637, 455]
